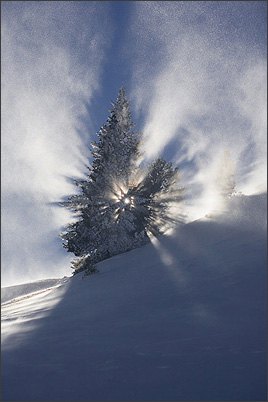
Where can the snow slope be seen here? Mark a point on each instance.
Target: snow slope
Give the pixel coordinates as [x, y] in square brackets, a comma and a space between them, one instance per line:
[183, 318]
[27, 289]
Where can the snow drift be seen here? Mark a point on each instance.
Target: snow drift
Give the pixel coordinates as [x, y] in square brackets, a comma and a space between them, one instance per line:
[182, 318]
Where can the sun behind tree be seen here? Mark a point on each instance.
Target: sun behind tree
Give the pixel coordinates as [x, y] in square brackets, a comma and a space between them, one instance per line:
[117, 212]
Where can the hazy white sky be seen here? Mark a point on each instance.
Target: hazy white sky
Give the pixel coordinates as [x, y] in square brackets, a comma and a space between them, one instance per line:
[195, 73]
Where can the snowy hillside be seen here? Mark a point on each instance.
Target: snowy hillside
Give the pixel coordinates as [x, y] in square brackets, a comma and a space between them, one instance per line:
[28, 289]
[183, 318]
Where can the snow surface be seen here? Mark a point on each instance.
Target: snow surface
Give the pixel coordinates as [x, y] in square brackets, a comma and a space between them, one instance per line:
[183, 318]
[26, 289]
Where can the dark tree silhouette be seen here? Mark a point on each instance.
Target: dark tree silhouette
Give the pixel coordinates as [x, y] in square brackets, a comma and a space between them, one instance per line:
[116, 210]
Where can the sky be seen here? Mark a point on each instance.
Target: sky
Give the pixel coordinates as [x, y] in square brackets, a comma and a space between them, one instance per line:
[195, 75]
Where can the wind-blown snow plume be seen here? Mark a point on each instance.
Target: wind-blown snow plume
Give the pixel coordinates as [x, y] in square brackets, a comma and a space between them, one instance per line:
[199, 87]
[51, 62]
[202, 88]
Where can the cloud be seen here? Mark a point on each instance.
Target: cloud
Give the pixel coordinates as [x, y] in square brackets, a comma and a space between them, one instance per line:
[201, 87]
[52, 56]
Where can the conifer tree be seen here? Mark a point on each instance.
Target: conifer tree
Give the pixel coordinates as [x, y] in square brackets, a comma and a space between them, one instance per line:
[115, 212]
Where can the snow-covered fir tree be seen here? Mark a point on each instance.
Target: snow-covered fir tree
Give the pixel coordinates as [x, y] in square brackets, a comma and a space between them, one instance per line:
[116, 211]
